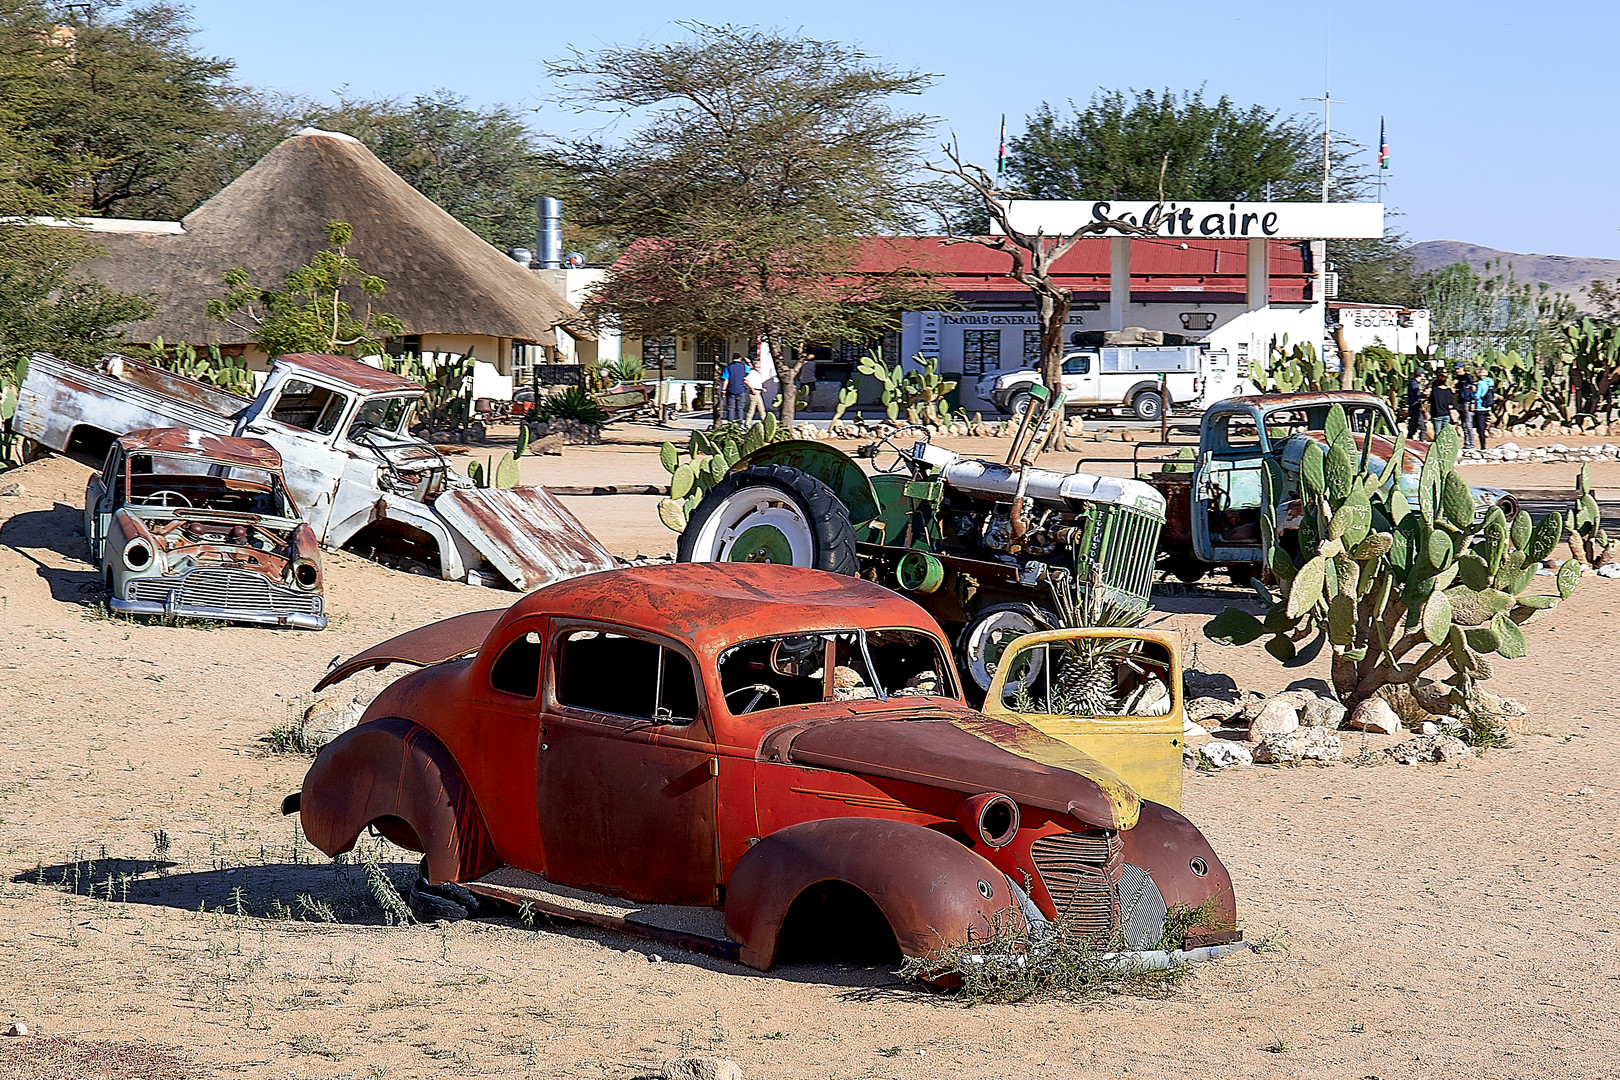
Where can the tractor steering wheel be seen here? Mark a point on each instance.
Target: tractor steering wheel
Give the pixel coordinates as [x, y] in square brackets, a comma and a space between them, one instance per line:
[760, 690]
[902, 454]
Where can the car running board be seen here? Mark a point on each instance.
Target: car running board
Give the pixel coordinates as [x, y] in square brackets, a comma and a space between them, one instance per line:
[697, 929]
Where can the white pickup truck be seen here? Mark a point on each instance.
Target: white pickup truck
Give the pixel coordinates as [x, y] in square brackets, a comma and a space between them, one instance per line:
[360, 480]
[1127, 377]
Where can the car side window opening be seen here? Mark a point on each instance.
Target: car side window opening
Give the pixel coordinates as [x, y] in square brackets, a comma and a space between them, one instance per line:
[517, 669]
[1077, 365]
[843, 665]
[308, 407]
[1090, 677]
[600, 671]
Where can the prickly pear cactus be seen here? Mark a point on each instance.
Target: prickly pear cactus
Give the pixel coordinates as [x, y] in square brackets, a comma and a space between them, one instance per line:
[709, 455]
[1395, 588]
[1588, 541]
[1288, 370]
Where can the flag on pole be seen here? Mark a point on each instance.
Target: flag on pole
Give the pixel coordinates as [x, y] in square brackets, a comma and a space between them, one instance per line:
[1001, 151]
[1383, 146]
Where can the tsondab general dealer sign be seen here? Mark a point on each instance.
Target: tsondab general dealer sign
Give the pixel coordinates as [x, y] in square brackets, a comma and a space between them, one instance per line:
[1209, 220]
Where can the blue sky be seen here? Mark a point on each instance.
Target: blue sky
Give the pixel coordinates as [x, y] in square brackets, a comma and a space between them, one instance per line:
[1500, 116]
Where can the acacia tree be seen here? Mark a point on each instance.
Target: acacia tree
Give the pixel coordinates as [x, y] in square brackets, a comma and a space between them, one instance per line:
[1034, 257]
[760, 159]
[308, 313]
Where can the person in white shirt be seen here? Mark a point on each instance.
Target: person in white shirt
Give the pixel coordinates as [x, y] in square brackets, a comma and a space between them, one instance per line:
[755, 381]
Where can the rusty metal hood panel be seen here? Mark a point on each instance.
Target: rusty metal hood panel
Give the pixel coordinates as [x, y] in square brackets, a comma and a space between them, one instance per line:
[525, 533]
[967, 752]
[430, 644]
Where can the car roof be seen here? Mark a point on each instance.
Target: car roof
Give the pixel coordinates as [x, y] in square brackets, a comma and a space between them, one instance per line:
[713, 605]
[229, 449]
[352, 372]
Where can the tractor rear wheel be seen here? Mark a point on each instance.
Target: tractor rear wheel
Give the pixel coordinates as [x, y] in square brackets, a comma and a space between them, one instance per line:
[774, 514]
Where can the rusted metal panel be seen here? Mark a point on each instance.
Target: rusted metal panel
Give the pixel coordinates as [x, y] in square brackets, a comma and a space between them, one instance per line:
[1185, 868]
[350, 372]
[223, 449]
[969, 753]
[430, 644]
[57, 398]
[525, 533]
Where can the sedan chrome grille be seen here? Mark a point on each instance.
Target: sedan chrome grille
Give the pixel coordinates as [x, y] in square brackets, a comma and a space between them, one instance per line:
[1081, 871]
[228, 590]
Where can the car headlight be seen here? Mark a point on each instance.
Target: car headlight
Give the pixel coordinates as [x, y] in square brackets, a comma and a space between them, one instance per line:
[304, 574]
[137, 554]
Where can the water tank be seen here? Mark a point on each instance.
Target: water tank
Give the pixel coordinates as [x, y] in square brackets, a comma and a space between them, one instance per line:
[548, 239]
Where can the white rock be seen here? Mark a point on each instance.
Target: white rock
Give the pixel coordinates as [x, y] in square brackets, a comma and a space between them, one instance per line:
[1610, 570]
[1276, 717]
[1220, 753]
[1429, 748]
[1428, 727]
[1374, 714]
[1305, 744]
[701, 1068]
[20, 1028]
[1205, 708]
[1322, 713]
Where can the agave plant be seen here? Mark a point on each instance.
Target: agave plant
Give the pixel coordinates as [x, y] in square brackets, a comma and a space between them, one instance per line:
[1395, 587]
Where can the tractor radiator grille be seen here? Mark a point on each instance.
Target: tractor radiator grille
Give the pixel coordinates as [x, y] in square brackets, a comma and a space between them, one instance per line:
[1081, 872]
[1127, 549]
[231, 590]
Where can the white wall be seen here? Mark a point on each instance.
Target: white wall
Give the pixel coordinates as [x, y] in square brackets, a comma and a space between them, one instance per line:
[1364, 326]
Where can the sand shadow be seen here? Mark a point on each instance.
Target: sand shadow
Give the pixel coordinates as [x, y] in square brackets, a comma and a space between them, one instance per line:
[58, 530]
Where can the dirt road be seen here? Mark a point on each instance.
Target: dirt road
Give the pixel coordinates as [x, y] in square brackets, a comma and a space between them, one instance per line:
[1442, 921]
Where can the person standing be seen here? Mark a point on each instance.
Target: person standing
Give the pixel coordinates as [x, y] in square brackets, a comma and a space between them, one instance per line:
[735, 376]
[1465, 404]
[1441, 402]
[755, 381]
[1416, 399]
[1484, 405]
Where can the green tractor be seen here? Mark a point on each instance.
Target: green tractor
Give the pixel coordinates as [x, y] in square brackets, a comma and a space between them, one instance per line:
[977, 543]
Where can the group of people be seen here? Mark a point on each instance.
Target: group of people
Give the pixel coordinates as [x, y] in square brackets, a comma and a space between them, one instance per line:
[743, 384]
[1431, 407]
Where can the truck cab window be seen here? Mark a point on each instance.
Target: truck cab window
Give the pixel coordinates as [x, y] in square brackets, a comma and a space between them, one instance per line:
[517, 669]
[613, 673]
[308, 407]
[1079, 364]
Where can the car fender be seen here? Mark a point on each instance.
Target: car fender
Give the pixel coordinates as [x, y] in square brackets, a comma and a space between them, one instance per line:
[832, 467]
[393, 770]
[933, 890]
[1170, 848]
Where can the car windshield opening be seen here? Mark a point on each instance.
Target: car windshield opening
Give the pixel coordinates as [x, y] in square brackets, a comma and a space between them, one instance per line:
[201, 484]
[384, 414]
[1089, 677]
[837, 665]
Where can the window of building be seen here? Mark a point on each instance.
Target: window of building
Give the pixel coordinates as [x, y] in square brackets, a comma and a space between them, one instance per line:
[517, 669]
[658, 353]
[399, 346]
[1032, 348]
[981, 351]
[711, 357]
[613, 673]
[308, 407]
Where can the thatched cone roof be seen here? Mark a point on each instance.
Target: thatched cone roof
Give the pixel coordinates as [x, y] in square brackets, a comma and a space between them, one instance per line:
[442, 278]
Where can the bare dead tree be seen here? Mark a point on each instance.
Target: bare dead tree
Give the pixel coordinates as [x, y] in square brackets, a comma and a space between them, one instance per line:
[1034, 255]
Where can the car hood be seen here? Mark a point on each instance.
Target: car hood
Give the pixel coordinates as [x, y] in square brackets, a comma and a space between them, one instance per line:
[968, 752]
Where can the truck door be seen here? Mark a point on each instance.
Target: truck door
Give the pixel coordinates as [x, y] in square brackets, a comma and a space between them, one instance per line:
[100, 500]
[302, 420]
[1226, 501]
[1080, 379]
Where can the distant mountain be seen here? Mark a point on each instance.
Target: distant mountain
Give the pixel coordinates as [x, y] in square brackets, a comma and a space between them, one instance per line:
[1563, 272]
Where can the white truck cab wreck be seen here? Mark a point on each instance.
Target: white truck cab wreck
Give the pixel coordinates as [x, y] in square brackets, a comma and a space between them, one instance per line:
[360, 480]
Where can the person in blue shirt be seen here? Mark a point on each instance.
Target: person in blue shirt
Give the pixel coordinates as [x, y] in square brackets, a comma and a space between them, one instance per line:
[1484, 402]
[734, 378]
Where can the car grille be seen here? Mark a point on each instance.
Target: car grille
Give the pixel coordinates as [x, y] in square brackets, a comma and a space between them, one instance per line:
[229, 590]
[1081, 871]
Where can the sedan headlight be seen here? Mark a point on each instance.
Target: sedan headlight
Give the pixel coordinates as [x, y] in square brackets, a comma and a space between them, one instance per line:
[137, 554]
[304, 574]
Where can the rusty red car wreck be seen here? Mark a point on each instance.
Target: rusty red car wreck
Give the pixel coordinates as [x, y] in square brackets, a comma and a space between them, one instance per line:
[728, 756]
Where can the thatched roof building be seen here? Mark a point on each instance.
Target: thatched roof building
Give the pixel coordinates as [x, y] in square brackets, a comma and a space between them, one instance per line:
[447, 285]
